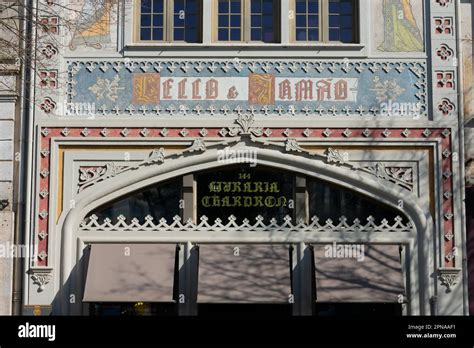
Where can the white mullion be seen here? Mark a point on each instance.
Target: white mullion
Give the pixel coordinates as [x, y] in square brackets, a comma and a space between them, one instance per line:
[285, 21]
[168, 17]
[208, 21]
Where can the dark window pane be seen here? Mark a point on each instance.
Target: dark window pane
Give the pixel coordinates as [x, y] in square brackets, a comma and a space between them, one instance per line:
[192, 6]
[179, 34]
[268, 35]
[346, 21]
[223, 6]
[313, 35]
[256, 35]
[158, 20]
[256, 21]
[235, 7]
[146, 6]
[268, 21]
[300, 21]
[256, 6]
[178, 5]
[191, 21]
[158, 6]
[145, 34]
[268, 7]
[334, 7]
[145, 20]
[192, 35]
[313, 7]
[235, 21]
[158, 201]
[158, 34]
[178, 21]
[347, 36]
[333, 34]
[346, 7]
[223, 35]
[301, 34]
[223, 21]
[328, 201]
[300, 6]
[313, 21]
[235, 35]
[333, 21]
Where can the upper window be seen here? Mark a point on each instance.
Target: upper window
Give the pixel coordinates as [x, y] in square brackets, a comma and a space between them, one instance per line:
[170, 20]
[324, 21]
[248, 21]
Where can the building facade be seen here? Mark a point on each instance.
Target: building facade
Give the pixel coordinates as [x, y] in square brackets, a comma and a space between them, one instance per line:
[200, 157]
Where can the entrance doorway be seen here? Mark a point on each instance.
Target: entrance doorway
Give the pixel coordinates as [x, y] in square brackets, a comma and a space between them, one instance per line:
[247, 276]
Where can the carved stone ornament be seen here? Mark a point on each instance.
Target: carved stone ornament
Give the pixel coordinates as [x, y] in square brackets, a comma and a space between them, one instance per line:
[91, 176]
[449, 277]
[334, 156]
[245, 122]
[92, 223]
[400, 176]
[41, 277]
[198, 146]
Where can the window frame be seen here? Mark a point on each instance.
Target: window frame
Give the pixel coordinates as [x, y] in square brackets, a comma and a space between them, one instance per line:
[323, 18]
[168, 24]
[245, 37]
[132, 47]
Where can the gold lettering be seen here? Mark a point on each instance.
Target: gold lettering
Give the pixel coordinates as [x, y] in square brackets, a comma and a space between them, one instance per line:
[248, 187]
[270, 202]
[281, 201]
[216, 202]
[215, 187]
[226, 201]
[205, 201]
[227, 186]
[274, 187]
[247, 201]
[237, 201]
[258, 201]
[237, 187]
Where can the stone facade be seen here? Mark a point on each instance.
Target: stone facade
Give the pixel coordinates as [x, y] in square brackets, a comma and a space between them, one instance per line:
[380, 117]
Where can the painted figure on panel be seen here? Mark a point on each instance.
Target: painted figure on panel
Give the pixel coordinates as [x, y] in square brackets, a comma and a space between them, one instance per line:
[401, 31]
[92, 27]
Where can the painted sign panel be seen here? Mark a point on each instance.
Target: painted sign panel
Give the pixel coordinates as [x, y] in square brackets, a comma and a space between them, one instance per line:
[245, 193]
[341, 88]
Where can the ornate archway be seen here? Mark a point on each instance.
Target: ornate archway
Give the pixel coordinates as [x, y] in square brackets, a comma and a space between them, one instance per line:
[284, 155]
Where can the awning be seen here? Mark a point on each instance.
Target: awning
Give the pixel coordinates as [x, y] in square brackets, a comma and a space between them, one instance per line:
[244, 274]
[130, 273]
[348, 273]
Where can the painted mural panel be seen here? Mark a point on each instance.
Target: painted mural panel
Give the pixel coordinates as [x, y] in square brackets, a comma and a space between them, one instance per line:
[91, 24]
[402, 25]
